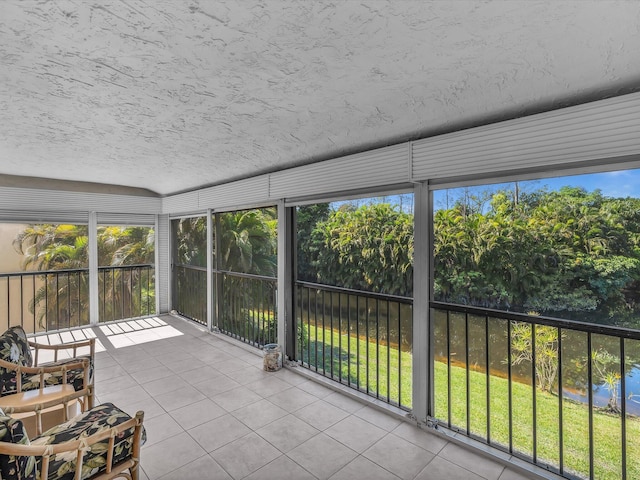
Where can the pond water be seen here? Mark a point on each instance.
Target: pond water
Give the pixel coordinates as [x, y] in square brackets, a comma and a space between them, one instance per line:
[601, 393]
[493, 336]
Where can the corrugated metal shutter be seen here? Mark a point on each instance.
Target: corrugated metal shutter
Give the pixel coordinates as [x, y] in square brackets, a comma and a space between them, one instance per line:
[163, 264]
[143, 220]
[383, 166]
[22, 216]
[125, 204]
[54, 200]
[599, 130]
[180, 203]
[238, 194]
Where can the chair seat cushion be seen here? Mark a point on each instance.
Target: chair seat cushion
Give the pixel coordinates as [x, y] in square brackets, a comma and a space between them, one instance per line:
[100, 418]
[75, 376]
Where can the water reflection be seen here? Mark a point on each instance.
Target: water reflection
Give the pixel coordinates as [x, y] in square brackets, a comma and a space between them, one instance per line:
[606, 365]
[601, 393]
[499, 380]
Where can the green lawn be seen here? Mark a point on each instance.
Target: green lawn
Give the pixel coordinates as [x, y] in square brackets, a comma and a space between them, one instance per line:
[351, 355]
[389, 372]
[607, 427]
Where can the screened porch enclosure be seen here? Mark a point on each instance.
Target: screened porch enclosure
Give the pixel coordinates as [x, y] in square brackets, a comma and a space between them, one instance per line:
[523, 385]
[64, 275]
[358, 339]
[238, 272]
[51, 300]
[559, 394]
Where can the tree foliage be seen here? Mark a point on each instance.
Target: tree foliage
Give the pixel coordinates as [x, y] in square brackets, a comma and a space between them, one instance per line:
[62, 246]
[568, 253]
[545, 345]
[63, 301]
[53, 247]
[248, 241]
[190, 241]
[310, 239]
[366, 248]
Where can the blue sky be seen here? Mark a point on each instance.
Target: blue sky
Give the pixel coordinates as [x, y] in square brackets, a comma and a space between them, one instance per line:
[622, 183]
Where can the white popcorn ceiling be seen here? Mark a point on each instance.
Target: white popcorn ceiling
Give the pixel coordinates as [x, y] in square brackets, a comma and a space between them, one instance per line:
[173, 95]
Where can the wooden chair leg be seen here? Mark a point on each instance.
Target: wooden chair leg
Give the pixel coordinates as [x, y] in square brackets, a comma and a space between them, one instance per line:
[90, 398]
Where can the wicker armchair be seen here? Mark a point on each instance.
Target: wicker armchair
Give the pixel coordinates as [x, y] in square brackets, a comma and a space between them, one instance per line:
[25, 388]
[99, 444]
[25, 384]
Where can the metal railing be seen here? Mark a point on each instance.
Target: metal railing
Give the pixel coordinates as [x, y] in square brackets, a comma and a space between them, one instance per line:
[559, 394]
[126, 292]
[43, 301]
[360, 339]
[190, 292]
[247, 307]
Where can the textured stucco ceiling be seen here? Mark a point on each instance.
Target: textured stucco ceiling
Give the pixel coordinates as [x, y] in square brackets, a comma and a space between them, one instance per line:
[173, 95]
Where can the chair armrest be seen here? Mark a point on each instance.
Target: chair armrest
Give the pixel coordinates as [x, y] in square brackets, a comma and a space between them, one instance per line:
[53, 368]
[39, 405]
[50, 397]
[79, 446]
[41, 450]
[83, 363]
[91, 343]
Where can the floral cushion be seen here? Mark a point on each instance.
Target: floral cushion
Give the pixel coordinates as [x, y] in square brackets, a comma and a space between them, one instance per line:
[63, 466]
[14, 348]
[13, 467]
[75, 376]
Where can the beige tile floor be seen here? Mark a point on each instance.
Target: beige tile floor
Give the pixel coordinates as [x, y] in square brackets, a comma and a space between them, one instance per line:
[211, 412]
